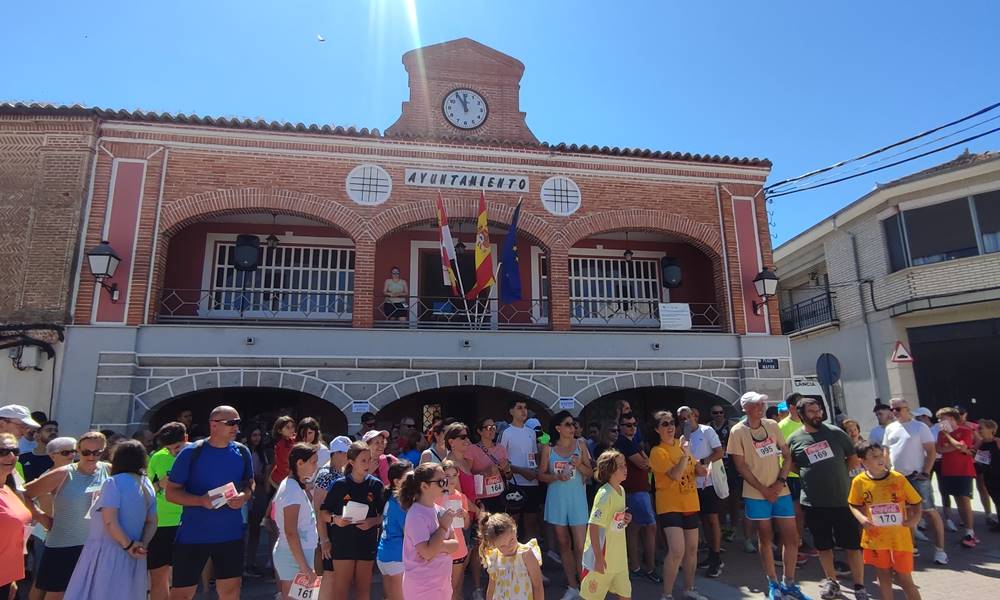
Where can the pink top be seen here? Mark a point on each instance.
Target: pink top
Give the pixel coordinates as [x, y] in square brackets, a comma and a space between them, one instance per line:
[423, 579]
[480, 461]
[14, 518]
[383, 468]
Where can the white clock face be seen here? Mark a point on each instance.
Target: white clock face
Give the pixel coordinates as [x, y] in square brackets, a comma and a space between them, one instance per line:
[464, 109]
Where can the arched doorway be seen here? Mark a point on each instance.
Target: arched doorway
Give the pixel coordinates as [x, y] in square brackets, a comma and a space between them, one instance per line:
[256, 406]
[646, 401]
[467, 403]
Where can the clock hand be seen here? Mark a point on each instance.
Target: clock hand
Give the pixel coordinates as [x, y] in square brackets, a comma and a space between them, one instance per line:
[465, 102]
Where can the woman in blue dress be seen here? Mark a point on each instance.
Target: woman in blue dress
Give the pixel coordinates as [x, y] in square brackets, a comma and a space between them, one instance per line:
[122, 522]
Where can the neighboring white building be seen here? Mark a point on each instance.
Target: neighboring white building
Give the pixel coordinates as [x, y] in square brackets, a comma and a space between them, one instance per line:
[915, 261]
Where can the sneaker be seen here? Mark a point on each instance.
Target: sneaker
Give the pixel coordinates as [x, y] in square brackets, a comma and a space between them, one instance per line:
[571, 594]
[692, 594]
[749, 547]
[554, 557]
[478, 595]
[829, 589]
[940, 557]
[969, 541]
[792, 590]
[950, 525]
[916, 552]
[715, 569]
[705, 561]
[728, 534]
[801, 559]
[653, 576]
[774, 591]
[860, 594]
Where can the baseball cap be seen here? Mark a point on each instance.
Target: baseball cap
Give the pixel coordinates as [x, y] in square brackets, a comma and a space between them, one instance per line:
[922, 411]
[341, 443]
[532, 423]
[782, 406]
[374, 433]
[752, 398]
[682, 409]
[16, 412]
[60, 444]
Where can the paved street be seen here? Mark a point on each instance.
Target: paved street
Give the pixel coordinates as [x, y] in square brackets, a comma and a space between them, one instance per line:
[971, 574]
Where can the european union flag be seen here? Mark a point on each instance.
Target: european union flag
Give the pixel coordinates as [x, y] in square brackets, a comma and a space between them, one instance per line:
[510, 268]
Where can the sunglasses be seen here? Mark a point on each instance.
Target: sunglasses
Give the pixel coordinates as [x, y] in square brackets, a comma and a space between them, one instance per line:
[92, 452]
[395, 272]
[488, 428]
[66, 452]
[461, 436]
[666, 423]
[441, 483]
[899, 408]
[407, 424]
[230, 422]
[567, 424]
[9, 451]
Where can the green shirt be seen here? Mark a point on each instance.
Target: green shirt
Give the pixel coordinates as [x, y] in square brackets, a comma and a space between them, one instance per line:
[788, 427]
[822, 460]
[168, 514]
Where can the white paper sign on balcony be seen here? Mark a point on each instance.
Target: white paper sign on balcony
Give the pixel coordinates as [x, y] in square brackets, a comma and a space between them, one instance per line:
[675, 316]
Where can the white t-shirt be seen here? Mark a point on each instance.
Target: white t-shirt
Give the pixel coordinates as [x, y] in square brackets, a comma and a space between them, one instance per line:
[522, 450]
[906, 445]
[322, 454]
[291, 493]
[703, 441]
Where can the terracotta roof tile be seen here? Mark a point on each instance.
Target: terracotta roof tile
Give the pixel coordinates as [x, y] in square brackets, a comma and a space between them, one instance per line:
[20, 108]
[963, 160]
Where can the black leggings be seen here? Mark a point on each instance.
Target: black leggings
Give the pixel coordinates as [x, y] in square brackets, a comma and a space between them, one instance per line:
[5, 591]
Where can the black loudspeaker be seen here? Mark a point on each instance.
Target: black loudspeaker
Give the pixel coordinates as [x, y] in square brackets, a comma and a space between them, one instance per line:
[670, 269]
[245, 256]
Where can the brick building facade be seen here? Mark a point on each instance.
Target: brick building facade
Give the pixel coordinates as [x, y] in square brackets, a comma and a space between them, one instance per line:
[171, 193]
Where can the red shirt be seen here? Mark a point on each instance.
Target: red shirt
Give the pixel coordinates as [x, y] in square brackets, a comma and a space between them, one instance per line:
[957, 463]
[14, 517]
[281, 451]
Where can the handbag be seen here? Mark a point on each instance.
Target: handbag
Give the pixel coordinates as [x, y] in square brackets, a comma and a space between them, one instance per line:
[717, 471]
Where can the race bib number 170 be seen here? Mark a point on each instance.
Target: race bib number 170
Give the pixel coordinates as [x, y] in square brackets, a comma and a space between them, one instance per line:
[887, 515]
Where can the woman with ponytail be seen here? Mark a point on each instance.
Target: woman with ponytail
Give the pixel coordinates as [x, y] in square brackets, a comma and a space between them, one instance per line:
[295, 518]
[428, 537]
[350, 552]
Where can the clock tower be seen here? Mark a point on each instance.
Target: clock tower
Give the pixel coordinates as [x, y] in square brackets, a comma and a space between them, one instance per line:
[462, 90]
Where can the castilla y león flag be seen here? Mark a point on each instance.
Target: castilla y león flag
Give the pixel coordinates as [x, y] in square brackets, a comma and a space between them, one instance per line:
[447, 247]
[484, 258]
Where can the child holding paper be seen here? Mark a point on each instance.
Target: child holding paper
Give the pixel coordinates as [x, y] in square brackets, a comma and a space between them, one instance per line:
[887, 507]
[605, 560]
[428, 536]
[351, 511]
[457, 502]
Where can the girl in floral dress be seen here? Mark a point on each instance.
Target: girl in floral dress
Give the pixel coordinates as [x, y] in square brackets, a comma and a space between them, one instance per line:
[515, 569]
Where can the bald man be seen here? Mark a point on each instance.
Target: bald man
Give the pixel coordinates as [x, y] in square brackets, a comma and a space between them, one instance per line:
[203, 476]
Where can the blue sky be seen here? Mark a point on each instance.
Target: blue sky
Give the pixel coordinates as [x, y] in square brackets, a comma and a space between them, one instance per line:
[802, 83]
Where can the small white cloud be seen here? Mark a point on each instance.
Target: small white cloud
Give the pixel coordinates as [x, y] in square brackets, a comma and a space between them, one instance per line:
[320, 38]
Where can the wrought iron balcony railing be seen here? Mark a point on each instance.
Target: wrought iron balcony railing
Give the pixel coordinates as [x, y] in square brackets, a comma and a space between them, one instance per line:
[449, 312]
[807, 314]
[183, 305]
[637, 314]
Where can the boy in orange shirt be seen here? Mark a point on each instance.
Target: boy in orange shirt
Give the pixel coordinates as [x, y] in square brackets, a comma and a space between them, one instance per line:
[887, 507]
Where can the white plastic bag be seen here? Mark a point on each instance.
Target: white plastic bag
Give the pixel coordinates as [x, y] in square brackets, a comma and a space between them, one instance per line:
[717, 471]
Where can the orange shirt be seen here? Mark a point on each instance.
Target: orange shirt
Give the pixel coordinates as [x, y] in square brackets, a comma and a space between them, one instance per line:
[884, 501]
[673, 495]
[14, 519]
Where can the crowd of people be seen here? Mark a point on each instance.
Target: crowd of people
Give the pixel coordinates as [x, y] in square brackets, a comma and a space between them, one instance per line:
[106, 517]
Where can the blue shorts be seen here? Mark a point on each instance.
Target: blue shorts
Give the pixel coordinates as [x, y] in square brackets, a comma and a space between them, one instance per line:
[762, 510]
[640, 505]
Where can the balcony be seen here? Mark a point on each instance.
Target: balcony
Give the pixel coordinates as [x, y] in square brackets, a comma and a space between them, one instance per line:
[251, 305]
[808, 314]
[450, 312]
[628, 315]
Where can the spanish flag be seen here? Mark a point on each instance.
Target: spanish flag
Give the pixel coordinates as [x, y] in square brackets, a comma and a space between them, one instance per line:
[484, 258]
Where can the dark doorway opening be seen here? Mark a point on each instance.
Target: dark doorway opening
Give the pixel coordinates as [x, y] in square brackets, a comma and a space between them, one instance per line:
[647, 401]
[467, 404]
[259, 406]
[955, 364]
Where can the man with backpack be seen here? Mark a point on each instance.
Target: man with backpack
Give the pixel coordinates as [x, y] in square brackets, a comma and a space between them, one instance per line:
[211, 479]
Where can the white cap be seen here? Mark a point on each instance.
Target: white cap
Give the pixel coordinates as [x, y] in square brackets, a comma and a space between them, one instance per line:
[532, 423]
[374, 433]
[59, 444]
[683, 409]
[341, 443]
[922, 411]
[752, 398]
[16, 412]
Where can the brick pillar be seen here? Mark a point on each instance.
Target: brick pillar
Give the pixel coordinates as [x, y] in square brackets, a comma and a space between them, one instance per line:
[559, 288]
[364, 283]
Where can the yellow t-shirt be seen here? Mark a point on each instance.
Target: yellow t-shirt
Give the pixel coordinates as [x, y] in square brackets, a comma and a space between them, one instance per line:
[760, 449]
[673, 495]
[609, 514]
[884, 501]
[788, 427]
